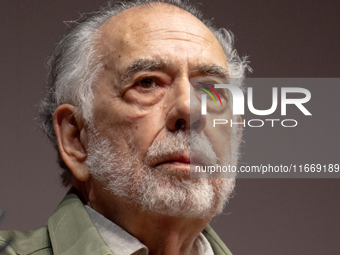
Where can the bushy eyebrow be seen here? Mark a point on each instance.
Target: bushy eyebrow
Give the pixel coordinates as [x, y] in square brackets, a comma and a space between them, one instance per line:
[141, 65]
[212, 70]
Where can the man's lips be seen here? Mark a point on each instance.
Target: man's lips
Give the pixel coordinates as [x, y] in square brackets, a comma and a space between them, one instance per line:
[181, 159]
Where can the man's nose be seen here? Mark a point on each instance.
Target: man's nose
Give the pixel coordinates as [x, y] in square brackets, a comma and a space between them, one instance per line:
[185, 113]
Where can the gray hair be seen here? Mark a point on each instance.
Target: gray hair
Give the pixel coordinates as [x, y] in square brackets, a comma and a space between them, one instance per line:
[74, 66]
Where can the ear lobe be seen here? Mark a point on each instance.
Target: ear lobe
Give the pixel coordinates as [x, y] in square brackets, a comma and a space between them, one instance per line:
[70, 137]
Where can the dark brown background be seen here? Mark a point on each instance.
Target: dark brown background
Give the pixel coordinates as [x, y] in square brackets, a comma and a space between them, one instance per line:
[283, 38]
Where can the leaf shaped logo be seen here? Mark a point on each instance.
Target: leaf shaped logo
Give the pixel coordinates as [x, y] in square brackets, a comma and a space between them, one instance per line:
[207, 86]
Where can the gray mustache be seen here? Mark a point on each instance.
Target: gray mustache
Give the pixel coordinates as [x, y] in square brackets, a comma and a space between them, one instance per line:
[197, 145]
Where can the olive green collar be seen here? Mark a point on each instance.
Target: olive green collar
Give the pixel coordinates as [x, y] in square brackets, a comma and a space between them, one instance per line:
[73, 233]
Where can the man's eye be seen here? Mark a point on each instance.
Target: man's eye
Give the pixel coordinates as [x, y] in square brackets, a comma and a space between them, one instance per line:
[147, 83]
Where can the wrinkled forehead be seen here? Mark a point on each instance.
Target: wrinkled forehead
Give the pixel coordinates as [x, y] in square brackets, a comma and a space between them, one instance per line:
[142, 24]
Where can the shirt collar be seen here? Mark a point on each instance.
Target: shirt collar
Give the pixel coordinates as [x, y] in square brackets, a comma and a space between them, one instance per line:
[120, 241]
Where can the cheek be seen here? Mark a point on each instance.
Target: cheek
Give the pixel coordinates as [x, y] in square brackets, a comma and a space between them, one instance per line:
[220, 135]
[135, 128]
[146, 129]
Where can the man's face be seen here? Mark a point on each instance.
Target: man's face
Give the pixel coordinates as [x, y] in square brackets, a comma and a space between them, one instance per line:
[143, 105]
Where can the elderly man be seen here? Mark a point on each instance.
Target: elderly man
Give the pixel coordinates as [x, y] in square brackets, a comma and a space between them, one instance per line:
[121, 111]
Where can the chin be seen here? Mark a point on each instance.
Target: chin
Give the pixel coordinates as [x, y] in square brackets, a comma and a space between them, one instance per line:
[171, 192]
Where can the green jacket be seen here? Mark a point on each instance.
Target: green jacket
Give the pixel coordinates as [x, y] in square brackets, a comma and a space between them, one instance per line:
[70, 231]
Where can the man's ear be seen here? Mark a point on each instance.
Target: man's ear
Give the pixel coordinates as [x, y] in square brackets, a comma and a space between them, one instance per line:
[71, 138]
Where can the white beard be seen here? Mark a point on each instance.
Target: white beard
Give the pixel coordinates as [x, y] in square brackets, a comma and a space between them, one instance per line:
[160, 190]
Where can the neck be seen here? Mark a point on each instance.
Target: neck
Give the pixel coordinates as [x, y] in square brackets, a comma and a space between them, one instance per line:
[161, 234]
